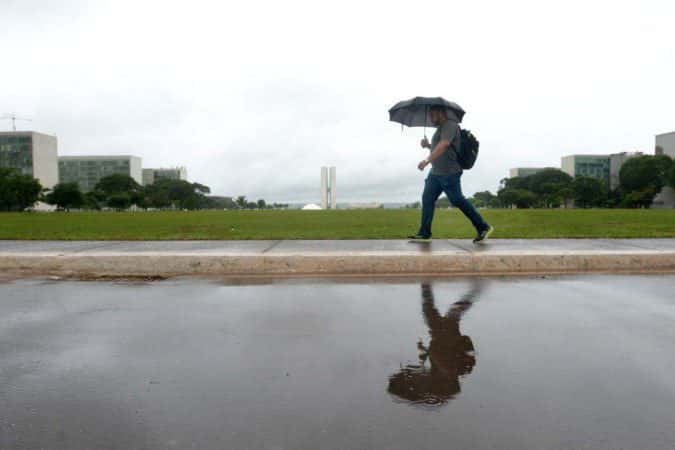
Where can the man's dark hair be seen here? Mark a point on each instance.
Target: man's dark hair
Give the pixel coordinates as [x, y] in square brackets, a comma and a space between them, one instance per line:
[439, 109]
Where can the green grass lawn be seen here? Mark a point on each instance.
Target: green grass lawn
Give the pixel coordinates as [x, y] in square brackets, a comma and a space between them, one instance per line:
[340, 224]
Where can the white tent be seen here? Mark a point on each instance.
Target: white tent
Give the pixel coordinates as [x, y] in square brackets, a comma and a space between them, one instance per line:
[42, 207]
[311, 207]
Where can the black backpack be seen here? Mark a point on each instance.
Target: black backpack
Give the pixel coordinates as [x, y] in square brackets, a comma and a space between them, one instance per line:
[468, 149]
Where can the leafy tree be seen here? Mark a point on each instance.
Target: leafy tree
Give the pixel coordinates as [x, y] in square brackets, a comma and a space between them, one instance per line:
[508, 196]
[565, 194]
[66, 196]
[615, 198]
[522, 198]
[156, 196]
[241, 201]
[526, 199]
[643, 175]
[17, 191]
[484, 199]
[92, 200]
[553, 198]
[189, 195]
[548, 181]
[182, 194]
[137, 198]
[589, 192]
[116, 189]
[664, 165]
[639, 199]
[119, 201]
[217, 202]
[117, 184]
[262, 204]
[645, 171]
[546, 185]
[176, 193]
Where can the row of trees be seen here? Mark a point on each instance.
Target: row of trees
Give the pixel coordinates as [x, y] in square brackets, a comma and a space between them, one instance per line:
[551, 188]
[640, 179]
[18, 192]
[242, 202]
[120, 191]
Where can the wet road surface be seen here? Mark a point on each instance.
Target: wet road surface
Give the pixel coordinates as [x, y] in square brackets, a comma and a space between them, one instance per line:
[525, 363]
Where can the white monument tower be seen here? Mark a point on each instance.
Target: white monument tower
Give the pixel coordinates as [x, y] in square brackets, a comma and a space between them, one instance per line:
[328, 199]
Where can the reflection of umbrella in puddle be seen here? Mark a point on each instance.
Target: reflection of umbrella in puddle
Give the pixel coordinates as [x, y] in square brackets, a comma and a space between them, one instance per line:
[449, 355]
[418, 385]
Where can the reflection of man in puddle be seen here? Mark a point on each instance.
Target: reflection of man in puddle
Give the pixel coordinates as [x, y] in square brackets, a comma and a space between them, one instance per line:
[449, 354]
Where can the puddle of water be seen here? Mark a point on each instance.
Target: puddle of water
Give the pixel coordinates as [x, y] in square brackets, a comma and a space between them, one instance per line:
[568, 362]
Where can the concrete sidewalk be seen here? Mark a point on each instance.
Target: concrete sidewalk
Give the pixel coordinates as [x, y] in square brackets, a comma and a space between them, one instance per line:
[92, 259]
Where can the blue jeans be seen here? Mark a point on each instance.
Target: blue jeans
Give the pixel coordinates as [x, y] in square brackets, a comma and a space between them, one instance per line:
[434, 186]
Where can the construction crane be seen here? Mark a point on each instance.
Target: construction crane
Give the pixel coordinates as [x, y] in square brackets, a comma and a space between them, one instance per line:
[13, 118]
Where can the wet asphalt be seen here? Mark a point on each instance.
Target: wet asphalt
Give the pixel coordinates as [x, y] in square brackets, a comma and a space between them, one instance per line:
[502, 363]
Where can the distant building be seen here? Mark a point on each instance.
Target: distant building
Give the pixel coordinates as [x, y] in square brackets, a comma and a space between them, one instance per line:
[173, 173]
[32, 154]
[524, 171]
[665, 144]
[328, 192]
[603, 167]
[665, 198]
[593, 166]
[87, 171]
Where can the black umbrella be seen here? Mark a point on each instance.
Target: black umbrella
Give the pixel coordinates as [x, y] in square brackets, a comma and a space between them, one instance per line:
[414, 112]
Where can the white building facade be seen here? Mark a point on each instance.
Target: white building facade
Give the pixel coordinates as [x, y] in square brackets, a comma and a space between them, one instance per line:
[328, 188]
[171, 173]
[616, 160]
[524, 171]
[31, 153]
[87, 171]
[665, 145]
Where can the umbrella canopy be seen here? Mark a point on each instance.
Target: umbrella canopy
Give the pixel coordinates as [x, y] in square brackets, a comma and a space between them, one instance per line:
[413, 112]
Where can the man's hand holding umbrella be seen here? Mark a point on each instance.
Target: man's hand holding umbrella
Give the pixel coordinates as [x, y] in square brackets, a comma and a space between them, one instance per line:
[424, 143]
[441, 148]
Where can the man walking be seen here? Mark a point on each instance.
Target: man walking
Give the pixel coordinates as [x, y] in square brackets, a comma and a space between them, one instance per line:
[445, 175]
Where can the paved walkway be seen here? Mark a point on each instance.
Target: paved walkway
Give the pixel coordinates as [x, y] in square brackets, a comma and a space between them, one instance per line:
[354, 257]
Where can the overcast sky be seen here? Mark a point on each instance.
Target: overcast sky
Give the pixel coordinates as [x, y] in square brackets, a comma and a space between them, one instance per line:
[254, 97]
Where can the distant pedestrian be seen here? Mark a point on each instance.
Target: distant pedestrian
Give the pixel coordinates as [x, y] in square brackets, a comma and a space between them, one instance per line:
[445, 175]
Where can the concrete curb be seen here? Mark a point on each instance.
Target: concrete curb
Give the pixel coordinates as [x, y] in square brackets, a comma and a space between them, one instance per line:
[141, 264]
